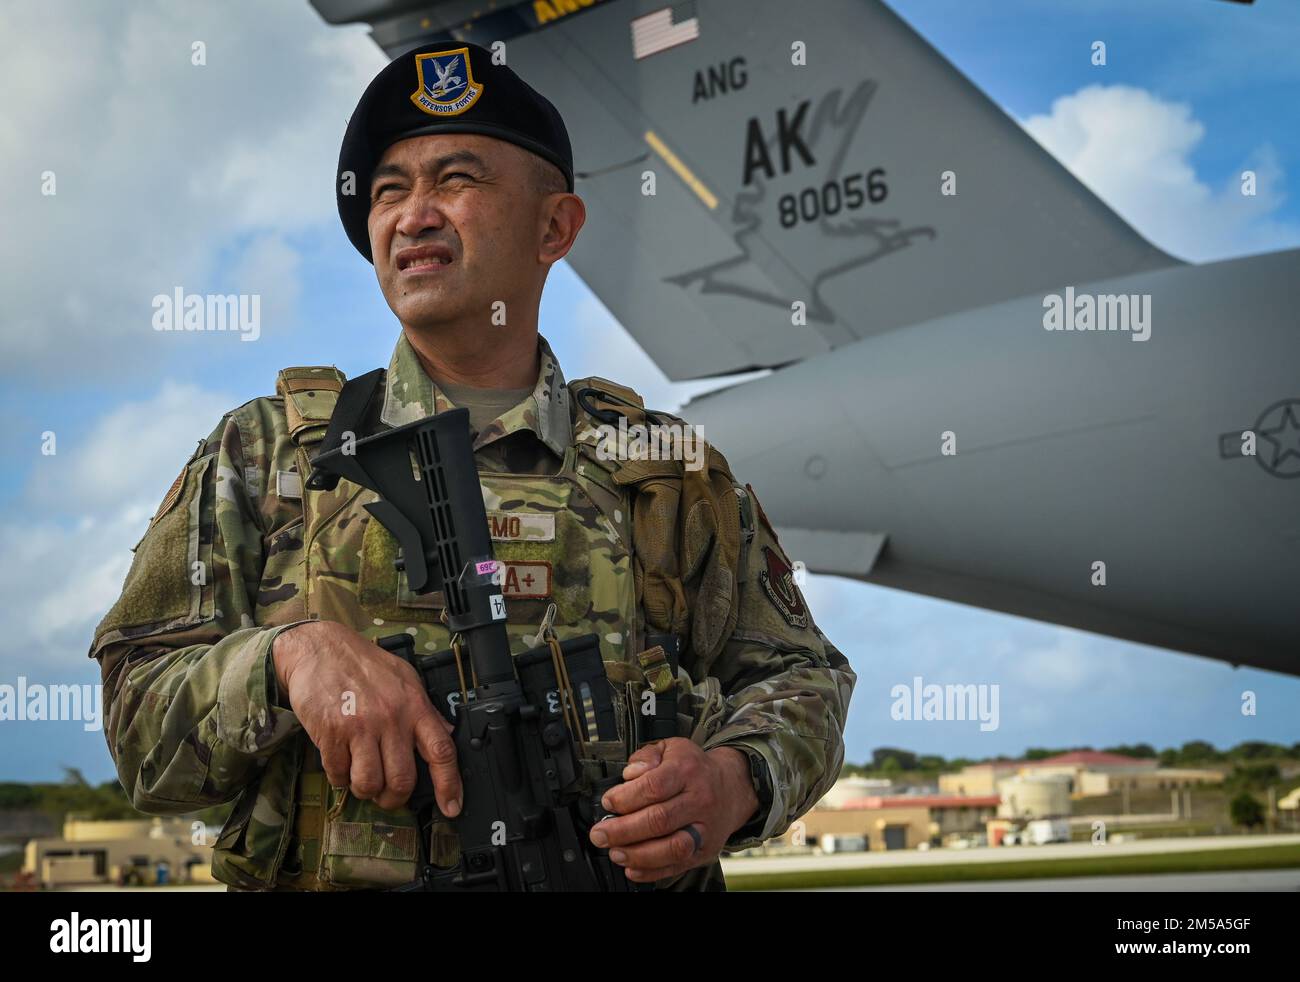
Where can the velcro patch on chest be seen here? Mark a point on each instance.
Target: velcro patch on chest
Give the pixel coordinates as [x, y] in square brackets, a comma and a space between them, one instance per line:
[530, 579]
[517, 526]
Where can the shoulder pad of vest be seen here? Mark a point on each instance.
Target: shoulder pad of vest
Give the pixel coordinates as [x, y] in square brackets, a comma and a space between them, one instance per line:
[605, 386]
[310, 393]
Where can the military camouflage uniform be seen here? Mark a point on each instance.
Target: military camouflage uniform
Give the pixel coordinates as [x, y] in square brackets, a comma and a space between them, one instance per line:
[240, 550]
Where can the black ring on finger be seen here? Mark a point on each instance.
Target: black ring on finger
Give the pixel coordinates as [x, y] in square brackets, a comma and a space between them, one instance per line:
[695, 835]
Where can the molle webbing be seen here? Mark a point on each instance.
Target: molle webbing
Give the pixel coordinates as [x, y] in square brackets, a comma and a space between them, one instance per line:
[350, 410]
[686, 529]
[659, 665]
[309, 393]
[604, 385]
[309, 822]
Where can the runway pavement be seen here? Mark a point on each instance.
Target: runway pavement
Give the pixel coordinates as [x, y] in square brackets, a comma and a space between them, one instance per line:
[738, 866]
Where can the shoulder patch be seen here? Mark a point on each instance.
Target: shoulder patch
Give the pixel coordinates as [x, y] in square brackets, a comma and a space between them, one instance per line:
[778, 583]
[172, 496]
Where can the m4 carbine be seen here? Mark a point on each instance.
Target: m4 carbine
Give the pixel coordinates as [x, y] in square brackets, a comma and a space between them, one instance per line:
[520, 722]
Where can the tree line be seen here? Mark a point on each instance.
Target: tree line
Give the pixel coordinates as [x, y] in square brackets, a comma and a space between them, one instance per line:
[1194, 753]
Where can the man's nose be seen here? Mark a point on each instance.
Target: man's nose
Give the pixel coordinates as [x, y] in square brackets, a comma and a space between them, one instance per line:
[420, 212]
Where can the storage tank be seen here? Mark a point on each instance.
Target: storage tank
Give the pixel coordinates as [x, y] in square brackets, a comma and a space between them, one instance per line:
[1035, 796]
[848, 789]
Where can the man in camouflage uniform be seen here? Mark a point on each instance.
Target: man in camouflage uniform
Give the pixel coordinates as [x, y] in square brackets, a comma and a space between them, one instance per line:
[239, 661]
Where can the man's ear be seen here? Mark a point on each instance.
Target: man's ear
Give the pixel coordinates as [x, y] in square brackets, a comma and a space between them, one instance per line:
[565, 215]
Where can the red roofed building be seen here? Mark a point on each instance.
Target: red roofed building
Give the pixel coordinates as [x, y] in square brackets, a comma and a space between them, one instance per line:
[979, 779]
[1087, 772]
[1093, 771]
[949, 813]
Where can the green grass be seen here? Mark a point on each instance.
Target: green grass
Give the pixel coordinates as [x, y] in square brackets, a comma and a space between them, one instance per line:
[1206, 861]
[1166, 831]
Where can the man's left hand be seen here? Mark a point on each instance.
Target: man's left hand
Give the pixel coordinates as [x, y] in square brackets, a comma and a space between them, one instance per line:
[669, 785]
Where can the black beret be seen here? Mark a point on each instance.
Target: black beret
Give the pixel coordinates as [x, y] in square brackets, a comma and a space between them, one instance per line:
[442, 87]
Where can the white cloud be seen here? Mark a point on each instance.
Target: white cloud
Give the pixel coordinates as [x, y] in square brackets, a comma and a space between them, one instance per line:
[93, 565]
[1058, 664]
[130, 456]
[269, 268]
[1134, 150]
[167, 173]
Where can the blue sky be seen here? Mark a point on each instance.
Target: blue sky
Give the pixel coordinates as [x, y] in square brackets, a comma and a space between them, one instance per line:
[218, 178]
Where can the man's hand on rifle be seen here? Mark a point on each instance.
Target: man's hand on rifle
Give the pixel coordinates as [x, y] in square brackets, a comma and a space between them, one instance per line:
[365, 738]
[672, 786]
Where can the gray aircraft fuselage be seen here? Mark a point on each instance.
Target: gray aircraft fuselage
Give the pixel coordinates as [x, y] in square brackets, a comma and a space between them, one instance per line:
[1072, 447]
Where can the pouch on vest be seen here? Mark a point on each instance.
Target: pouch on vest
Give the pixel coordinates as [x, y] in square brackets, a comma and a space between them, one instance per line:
[310, 394]
[563, 680]
[364, 846]
[250, 850]
[339, 841]
[254, 846]
[685, 530]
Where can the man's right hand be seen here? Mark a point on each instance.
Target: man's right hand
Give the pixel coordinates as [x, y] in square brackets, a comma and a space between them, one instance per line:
[365, 710]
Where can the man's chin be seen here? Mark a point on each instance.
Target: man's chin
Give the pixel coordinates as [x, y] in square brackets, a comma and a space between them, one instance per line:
[430, 315]
[416, 306]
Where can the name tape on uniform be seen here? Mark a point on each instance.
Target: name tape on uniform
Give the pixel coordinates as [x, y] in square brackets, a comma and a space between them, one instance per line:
[511, 526]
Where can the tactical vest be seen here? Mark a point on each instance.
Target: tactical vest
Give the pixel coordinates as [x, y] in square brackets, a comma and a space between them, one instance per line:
[566, 541]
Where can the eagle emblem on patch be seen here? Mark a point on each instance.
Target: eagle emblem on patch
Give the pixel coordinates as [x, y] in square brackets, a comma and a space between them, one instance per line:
[447, 86]
[778, 583]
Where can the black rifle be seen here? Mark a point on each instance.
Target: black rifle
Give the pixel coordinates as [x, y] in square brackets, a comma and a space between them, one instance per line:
[519, 722]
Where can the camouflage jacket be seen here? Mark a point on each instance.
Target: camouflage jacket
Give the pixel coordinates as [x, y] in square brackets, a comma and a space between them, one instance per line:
[238, 552]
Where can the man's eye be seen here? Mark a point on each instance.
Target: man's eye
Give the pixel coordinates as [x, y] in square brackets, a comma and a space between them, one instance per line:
[384, 187]
[459, 173]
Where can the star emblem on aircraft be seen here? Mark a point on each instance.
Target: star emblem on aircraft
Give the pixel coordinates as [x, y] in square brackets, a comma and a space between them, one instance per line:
[1277, 433]
[1283, 439]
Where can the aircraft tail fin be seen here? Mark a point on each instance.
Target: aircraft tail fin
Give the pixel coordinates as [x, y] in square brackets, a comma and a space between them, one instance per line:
[765, 184]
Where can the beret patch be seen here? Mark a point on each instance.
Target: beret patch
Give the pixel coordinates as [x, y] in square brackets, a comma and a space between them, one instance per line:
[447, 86]
[441, 87]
